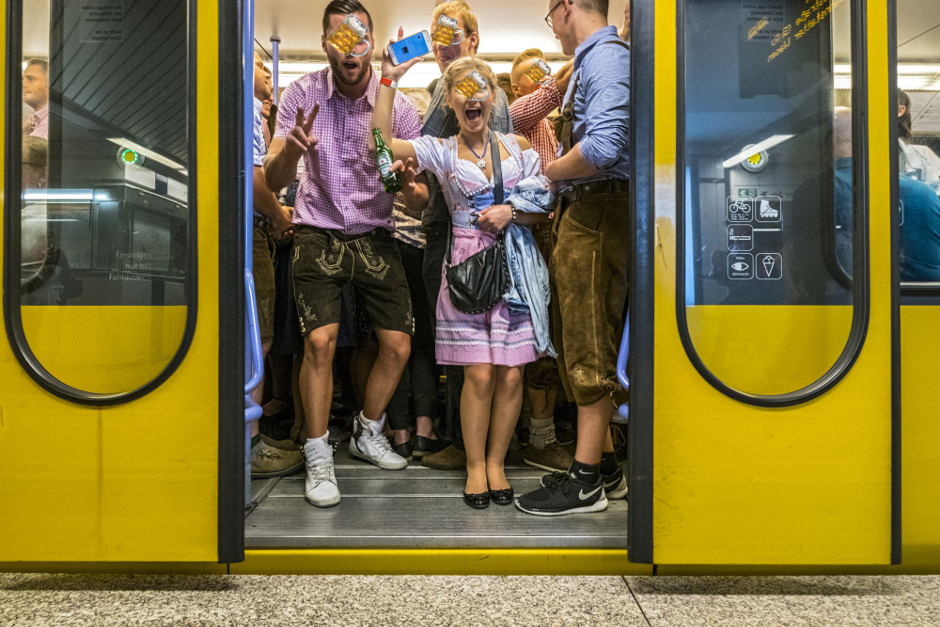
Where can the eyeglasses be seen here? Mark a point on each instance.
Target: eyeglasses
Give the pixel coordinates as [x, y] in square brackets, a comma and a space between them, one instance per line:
[548, 18]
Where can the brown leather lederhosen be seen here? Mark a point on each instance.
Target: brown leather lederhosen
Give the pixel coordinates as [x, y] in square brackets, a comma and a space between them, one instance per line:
[588, 272]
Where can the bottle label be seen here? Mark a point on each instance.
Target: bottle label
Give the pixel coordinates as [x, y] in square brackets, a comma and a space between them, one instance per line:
[384, 164]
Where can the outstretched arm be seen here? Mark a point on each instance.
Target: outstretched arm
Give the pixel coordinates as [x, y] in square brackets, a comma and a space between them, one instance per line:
[382, 114]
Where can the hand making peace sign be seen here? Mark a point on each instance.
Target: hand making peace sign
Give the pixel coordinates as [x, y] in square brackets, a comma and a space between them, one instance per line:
[302, 138]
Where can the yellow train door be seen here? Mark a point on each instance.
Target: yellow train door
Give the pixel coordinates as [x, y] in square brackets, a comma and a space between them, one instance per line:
[123, 285]
[765, 400]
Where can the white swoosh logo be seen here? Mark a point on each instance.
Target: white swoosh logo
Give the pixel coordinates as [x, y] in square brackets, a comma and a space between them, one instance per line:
[585, 497]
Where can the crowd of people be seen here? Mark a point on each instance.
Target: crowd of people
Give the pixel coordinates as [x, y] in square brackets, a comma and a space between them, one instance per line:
[528, 176]
[529, 180]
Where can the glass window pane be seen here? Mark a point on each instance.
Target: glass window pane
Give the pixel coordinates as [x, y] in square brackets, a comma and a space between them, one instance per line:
[768, 189]
[104, 215]
[919, 139]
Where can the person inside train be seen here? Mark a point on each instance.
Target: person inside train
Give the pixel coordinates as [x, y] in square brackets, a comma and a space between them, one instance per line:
[589, 276]
[272, 222]
[36, 96]
[441, 121]
[529, 112]
[267, 108]
[917, 161]
[281, 423]
[493, 345]
[419, 382]
[342, 220]
[920, 212]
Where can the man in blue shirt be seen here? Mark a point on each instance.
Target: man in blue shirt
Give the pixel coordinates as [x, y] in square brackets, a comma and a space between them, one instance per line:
[589, 265]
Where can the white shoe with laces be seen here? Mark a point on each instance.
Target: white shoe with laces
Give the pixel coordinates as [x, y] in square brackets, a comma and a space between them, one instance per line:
[320, 488]
[368, 442]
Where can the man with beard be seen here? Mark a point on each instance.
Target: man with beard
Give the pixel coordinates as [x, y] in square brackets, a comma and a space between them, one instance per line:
[343, 219]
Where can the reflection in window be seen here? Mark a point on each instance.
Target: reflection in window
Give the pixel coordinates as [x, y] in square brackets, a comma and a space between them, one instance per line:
[104, 218]
[767, 287]
[766, 191]
[918, 143]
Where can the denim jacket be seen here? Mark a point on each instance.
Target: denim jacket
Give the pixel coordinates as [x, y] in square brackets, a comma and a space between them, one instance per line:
[529, 290]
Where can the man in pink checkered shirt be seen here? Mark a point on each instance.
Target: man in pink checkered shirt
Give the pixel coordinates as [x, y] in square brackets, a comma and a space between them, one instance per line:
[342, 219]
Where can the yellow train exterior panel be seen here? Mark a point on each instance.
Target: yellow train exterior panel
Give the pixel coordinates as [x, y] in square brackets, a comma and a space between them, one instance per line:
[136, 482]
[738, 484]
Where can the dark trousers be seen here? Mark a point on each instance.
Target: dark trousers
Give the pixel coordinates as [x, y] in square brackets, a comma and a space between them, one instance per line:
[434, 254]
[419, 379]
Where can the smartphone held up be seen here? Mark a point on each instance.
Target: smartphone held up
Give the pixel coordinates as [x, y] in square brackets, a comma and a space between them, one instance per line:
[409, 48]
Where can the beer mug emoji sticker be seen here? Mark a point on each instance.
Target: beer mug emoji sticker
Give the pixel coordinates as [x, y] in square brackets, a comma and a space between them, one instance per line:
[473, 86]
[446, 32]
[539, 72]
[348, 35]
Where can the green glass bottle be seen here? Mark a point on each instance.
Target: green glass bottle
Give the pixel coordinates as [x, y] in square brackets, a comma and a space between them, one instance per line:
[385, 158]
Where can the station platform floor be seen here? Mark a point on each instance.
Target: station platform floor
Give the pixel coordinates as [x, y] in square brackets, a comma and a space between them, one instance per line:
[67, 600]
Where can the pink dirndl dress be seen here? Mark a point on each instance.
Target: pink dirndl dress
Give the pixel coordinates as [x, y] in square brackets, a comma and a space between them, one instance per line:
[498, 336]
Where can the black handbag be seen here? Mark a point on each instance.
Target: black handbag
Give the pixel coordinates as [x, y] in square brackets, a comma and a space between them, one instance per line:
[478, 283]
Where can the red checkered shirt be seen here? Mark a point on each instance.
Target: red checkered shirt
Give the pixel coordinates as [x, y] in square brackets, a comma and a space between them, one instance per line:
[529, 119]
[340, 188]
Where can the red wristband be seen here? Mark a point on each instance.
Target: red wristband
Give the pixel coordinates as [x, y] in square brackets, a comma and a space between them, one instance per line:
[389, 83]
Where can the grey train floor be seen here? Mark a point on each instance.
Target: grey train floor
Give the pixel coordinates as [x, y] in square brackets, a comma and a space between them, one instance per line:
[415, 507]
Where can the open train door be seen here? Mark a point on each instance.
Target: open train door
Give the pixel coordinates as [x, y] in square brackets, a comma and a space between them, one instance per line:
[765, 401]
[123, 285]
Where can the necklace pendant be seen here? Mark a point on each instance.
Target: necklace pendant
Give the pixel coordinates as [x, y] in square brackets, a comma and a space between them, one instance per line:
[481, 164]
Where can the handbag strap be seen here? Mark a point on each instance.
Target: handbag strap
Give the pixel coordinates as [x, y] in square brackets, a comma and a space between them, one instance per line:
[497, 190]
[497, 169]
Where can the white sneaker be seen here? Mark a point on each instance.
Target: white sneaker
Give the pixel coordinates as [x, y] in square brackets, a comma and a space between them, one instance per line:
[370, 444]
[320, 488]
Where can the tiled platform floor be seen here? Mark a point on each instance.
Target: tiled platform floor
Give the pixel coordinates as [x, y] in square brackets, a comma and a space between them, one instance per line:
[66, 600]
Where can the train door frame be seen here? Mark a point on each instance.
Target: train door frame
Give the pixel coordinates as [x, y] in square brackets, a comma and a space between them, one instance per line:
[642, 282]
[651, 177]
[235, 65]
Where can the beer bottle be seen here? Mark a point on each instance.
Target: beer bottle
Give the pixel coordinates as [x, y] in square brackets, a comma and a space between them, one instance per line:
[385, 159]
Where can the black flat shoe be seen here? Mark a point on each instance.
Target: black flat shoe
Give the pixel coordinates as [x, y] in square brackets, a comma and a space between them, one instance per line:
[426, 446]
[405, 449]
[477, 501]
[502, 497]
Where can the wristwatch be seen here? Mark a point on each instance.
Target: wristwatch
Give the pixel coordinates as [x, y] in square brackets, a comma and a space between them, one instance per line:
[389, 83]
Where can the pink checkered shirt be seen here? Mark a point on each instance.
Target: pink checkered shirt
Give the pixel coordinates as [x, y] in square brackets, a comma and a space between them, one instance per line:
[340, 189]
[528, 115]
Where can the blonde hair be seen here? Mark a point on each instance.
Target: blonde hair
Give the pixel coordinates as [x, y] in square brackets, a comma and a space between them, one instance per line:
[469, 64]
[531, 53]
[419, 97]
[461, 8]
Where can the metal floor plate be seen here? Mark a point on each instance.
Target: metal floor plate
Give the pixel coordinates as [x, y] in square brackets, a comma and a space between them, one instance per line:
[419, 507]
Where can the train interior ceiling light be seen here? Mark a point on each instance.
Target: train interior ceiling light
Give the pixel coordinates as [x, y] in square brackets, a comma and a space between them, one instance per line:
[911, 76]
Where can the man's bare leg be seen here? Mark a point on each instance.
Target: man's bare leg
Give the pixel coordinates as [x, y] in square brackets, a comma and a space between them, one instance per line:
[316, 378]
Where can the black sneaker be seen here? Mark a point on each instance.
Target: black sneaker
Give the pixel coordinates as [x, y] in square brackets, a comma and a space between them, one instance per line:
[426, 446]
[615, 484]
[564, 494]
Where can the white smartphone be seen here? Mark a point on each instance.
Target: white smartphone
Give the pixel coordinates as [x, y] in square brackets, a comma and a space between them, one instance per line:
[416, 45]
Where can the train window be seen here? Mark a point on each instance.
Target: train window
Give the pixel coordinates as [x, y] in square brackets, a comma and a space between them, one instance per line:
[100, 225]
[918, 146]
[770, 299]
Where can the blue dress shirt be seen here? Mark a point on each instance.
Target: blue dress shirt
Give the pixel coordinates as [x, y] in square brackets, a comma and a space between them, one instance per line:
[602, 105]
